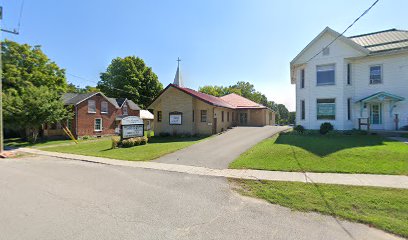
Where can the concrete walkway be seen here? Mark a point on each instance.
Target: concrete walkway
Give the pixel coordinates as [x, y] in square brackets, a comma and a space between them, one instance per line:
[219, 151]
[392, 181]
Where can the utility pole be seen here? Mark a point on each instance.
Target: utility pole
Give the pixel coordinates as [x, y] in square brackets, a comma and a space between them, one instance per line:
[1, 83]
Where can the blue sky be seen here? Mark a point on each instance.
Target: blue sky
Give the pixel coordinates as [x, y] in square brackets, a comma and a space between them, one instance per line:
[220, 42]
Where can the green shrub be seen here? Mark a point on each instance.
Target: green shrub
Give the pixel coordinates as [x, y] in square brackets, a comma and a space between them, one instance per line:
[127, 143]
[299, 129]
[115, 142]
[86, 137]
[325, 128]
[144, 140]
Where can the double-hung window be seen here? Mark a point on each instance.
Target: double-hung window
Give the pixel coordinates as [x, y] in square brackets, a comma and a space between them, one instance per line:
[326, 109]
[325, 75]
[302, 110]
[302, 78]
[203, 115]
[222, 116]
[91, 106]
[104, 107]
[375, 74]
[98, 124]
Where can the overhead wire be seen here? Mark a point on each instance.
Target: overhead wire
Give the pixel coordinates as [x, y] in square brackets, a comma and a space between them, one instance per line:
[342, 34]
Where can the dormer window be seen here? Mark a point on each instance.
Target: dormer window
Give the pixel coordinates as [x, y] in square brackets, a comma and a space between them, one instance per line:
[91, 106]
[104, 107]
[125, 109]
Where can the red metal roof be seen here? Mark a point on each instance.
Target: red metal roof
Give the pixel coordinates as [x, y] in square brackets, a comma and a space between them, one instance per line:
[233, 101]
[240, 102]
[210, 99]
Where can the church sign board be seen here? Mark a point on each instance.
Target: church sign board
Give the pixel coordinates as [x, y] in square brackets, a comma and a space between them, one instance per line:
[132, 126]
[175, 118]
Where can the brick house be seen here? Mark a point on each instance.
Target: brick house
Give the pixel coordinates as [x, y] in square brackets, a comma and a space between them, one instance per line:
[94, 114]
[181, 110]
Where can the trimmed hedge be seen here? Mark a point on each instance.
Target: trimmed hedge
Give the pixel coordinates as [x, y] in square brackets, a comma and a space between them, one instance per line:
[130, 142]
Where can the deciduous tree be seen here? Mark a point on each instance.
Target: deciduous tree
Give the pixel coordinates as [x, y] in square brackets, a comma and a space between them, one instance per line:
[130, 77]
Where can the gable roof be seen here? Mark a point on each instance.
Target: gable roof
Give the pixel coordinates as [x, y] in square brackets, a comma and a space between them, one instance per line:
[334, 34]
[210, 99]
[133, 105]
[232, 101]
[77, 98]
[387, 40]
[240, 102]
[381, 95]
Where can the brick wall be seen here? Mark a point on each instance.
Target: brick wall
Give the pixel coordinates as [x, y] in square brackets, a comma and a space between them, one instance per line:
[86, 120]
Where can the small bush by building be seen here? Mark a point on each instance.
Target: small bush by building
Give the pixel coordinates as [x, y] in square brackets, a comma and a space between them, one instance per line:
[130, 142]
[325, 128]
[299, 129]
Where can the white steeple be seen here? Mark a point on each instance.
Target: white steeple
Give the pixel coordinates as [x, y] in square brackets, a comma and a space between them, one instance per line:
[178, 79]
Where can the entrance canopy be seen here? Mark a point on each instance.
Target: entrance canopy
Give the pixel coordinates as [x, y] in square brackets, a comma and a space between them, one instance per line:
[381, 97]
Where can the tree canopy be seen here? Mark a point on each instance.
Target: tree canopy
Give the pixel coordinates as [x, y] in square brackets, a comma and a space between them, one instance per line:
[32, 87]
[71, 88]
[25, 66]
[129, 77]
[33, 107]
[248, 90]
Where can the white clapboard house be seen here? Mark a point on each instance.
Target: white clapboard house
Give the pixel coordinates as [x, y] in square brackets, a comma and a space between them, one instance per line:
[356, 79]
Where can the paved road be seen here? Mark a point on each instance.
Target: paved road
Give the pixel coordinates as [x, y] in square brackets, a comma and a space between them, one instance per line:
[219, 151]
[50, 198]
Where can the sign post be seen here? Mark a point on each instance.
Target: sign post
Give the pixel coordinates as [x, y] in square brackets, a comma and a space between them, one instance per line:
[132, 126]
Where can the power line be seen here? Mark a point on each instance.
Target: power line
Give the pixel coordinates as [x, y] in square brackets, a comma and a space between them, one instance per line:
[364, 13]
[20, 16]
[88, 80]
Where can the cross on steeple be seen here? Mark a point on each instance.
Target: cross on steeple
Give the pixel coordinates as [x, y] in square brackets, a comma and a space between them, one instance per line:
[177, 79]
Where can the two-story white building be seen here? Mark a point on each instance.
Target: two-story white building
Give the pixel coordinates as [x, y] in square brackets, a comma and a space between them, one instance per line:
[354, 79]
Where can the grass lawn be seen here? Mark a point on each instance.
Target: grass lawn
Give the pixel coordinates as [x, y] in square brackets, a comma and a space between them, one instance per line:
[383, 208]
[331, 153]
[18, 142]
[157, 146]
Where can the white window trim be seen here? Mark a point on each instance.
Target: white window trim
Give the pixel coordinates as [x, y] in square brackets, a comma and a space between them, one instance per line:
[335, 109]
[335, 70]
[107, 107]
[98, 130]
[89, 111]
[382, 74]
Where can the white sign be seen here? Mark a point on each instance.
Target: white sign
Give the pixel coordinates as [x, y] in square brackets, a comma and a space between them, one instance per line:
[131, 120]
[130, 131]
[175, 119]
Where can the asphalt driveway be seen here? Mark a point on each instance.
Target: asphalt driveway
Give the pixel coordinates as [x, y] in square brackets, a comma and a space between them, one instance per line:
[218, 151]
[50, 198]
